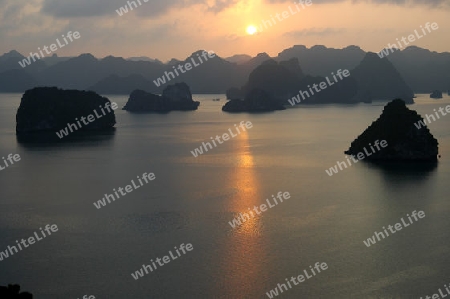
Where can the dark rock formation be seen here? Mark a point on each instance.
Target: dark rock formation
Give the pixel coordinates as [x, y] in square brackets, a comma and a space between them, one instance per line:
[13, 292]
[234, 93]
[257, 100]
[142, 101]
[235, 105]
[9, 61]
[174, 97]
[279, 79]
[321, 61]
[275, 79]
[285, 80]
[342, 92]
[293, 66]
[239, 58]
[378, 77]
[422, 69]
[180, 97]
[405, 141]
[437, 94]
[49, 109]
[16, 81]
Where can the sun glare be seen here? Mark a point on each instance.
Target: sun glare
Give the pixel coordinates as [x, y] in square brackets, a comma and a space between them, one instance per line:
[251, 30]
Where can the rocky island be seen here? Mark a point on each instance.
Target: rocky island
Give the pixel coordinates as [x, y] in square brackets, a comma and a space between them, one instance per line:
[174, 97]
[13, 292]
[436, 94]
[257, 100]
[50, 109]
[406, 142]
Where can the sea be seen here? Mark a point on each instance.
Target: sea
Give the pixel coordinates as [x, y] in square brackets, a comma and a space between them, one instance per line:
[192, 200]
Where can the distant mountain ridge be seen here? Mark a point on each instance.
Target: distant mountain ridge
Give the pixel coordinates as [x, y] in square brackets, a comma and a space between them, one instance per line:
[373, 79]
[321, 61]
[378, 79]
[421, 69]
[239, 58]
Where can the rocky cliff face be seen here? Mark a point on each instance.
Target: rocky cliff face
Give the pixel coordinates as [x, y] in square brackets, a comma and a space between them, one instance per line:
[321, 61]
[405, 141]
[257, 100]
[436, 94]
[13, 292]
[16, 81]
[51, 109]
[286, 79]
[142, 101]
[278, 79]
[293, 66]
[378, 80]
[175, 97]
[180, 97]
[342, 92]
[234, 93]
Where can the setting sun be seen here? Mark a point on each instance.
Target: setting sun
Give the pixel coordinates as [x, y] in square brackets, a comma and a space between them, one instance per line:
[251, 30]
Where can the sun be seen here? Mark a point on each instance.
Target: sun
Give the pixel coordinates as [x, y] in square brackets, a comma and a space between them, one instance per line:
[251, 29]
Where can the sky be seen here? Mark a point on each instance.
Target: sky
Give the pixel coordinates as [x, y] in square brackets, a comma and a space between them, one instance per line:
[176, 28]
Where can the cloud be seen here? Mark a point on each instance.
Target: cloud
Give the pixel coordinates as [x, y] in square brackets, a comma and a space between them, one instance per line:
[145, 8]
[155, 8]
[79, 8]
[431, 3]
[21, 18]
[314, 32]
[221, 5]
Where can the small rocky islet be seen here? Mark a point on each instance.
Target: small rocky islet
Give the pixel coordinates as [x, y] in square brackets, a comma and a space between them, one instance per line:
[257, 100]
[436, 94]
[176, 97]
[49, 109]
[12, 291]
[406, 142]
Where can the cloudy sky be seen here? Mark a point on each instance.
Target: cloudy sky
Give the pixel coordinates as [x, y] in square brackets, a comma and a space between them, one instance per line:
[167, 29]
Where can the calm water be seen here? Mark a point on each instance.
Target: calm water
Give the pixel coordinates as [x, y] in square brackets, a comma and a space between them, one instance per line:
[192, 199]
